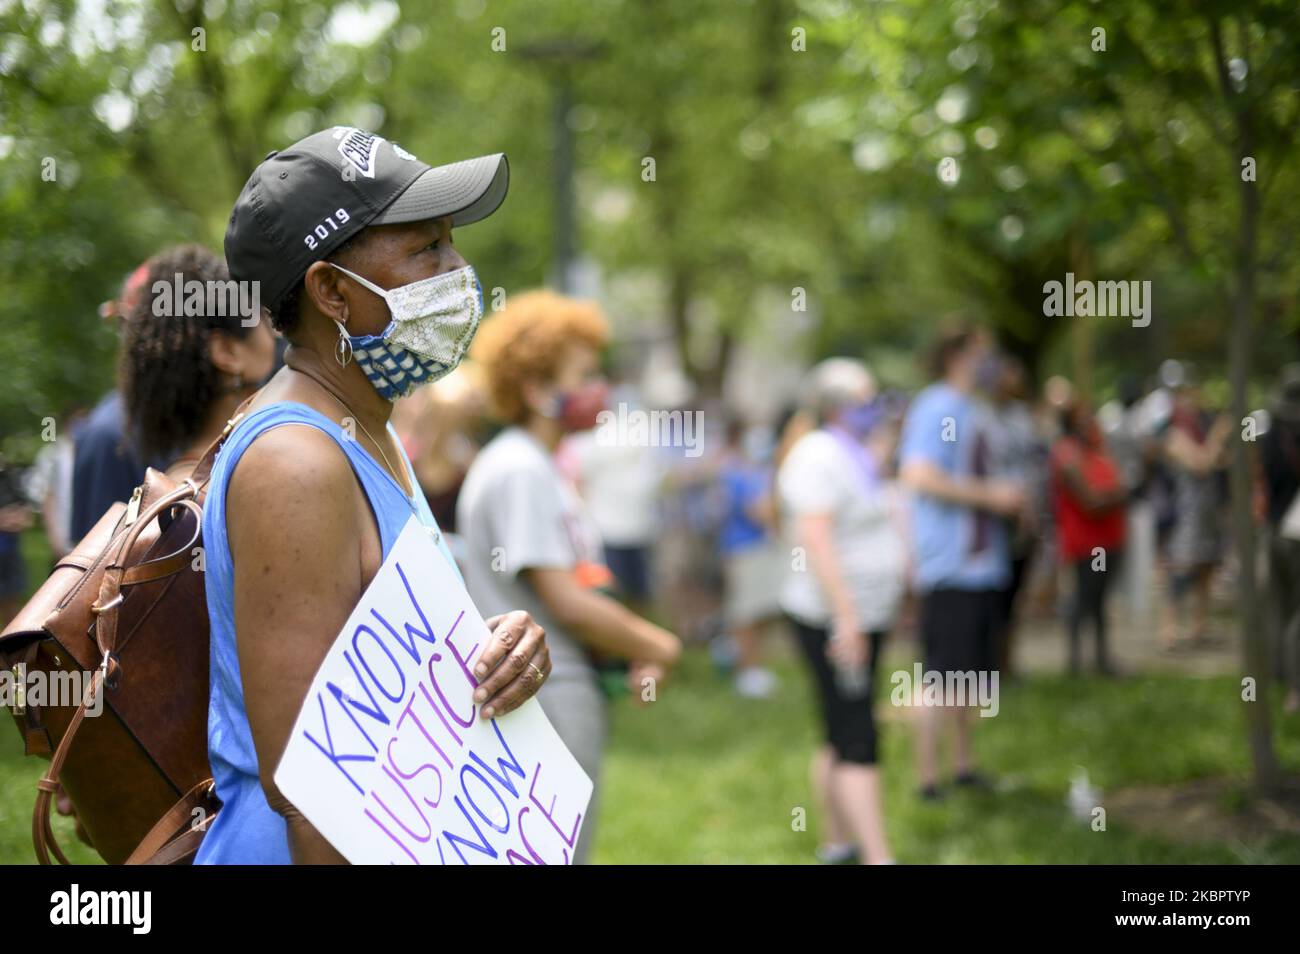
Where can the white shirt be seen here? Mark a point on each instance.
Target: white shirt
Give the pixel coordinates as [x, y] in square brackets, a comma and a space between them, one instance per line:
[819, 476]
[515, 512]
[620, 484]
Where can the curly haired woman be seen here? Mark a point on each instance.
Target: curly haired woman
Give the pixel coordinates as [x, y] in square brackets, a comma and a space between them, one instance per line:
[182, 376]
[528, 538]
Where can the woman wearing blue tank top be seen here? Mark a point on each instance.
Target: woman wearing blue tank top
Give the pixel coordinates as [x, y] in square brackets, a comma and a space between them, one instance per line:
[347, 239]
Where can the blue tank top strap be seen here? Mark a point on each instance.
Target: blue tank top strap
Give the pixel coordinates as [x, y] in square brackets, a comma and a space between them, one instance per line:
[387, 500]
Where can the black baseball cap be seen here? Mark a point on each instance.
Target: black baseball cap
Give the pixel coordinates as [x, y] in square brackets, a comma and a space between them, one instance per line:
[302, 203]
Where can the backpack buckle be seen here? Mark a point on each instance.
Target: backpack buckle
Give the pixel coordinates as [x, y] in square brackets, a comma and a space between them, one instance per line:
[112, 670]
[115, 601]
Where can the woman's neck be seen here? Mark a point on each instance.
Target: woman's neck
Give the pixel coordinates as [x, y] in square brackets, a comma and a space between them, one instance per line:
[349, 386]
[548, 431]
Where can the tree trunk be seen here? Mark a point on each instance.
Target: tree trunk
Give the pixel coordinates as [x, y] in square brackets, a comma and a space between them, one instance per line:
[1254, 642]
[680, 287]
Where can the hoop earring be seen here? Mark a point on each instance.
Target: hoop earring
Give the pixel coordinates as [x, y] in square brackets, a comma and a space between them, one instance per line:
[343, 348]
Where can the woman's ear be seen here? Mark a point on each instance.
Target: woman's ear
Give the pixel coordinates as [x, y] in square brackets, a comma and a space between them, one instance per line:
[325, 292]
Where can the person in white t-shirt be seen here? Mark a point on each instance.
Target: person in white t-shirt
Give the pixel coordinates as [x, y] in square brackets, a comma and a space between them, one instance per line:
[529, 541]
[842, 594]
[620, 484]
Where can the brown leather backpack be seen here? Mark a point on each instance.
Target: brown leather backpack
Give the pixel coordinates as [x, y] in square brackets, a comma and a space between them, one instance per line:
[127, 610]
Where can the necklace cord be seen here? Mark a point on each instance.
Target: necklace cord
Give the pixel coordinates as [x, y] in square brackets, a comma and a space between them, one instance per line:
[353, 415]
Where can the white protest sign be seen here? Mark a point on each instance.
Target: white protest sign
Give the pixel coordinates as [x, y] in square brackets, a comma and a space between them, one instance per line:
[389, 758]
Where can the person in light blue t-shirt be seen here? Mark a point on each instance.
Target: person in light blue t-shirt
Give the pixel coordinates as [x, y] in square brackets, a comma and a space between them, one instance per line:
[959, 536]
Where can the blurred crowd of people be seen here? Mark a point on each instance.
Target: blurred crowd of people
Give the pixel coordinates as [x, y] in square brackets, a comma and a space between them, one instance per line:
[859, 515]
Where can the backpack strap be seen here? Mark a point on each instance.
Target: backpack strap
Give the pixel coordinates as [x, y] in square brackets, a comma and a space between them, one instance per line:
[105, 610]
[203, 469]
[175, 836]
[158, 847]
[42, 834]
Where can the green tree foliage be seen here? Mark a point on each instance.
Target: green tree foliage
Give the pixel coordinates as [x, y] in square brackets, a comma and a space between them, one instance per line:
[796, 144]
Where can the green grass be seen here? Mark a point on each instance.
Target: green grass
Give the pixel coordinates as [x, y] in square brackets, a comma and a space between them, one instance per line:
[18, 777]
[704, 777]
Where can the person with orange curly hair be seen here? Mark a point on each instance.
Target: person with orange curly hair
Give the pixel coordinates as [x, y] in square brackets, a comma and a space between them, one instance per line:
[528, 539]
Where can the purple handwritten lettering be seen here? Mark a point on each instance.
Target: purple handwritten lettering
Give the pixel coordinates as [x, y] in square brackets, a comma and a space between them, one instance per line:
[570, 838]
[356, 645]
[504, 826]
[433, 678]
[335, 758]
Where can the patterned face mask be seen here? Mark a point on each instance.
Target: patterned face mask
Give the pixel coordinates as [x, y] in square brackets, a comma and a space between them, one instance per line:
[434, 321]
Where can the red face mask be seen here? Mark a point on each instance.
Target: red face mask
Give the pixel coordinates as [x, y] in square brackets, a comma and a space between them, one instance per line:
[580, 407]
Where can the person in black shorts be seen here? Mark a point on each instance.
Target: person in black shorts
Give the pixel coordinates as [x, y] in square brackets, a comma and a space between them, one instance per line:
[840, 513]
[959, 526]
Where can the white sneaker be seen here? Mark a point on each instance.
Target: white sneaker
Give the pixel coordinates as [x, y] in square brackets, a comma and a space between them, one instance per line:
[756, 683]
[837, 854]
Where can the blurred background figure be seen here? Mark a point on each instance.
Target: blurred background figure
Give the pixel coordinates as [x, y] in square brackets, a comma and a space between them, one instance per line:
[107, 465]
[1125, 427]
[842, 594]
[49, 484]
[1089, 493]
[688, 569]
[1043, 600]
[529, 540]
[1280, 463]
[620, 482]
[439, 427]
[181, 377]
[15, 517]
[959, 516]
[1194, 450]
[1020, 457]
[753, 559]
[792, 423]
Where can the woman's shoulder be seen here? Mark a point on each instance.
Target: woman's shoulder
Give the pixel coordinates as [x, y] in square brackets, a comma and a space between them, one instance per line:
[259, 417]
[266, 423]
[514, 449]
[510, 458]
[816, 457]
[816, 444]
[262, 458]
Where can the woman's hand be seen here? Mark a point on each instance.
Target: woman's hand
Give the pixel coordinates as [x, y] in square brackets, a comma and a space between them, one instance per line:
[642, 676]
[15, 518]
[513, 665]
[848, 645]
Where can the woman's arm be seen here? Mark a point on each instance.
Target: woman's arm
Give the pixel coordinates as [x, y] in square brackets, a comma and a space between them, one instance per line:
[297, 578]
[1199, 458]
[816, 532]
[1001, 497]
[601, 622]
[1093, 501]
